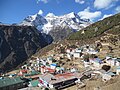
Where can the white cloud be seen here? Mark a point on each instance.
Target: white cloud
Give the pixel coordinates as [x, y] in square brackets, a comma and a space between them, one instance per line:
[105, 16]
[89, 15]
[44, 1]
[99, 4]
[117, 9]
[80, 1]
[40, 12]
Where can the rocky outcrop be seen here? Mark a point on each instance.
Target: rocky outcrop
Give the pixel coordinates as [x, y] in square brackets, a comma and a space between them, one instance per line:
[17, 43]
[60, 33]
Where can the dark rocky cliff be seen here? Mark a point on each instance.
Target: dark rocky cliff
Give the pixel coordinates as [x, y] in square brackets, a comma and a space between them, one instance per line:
[17, 43]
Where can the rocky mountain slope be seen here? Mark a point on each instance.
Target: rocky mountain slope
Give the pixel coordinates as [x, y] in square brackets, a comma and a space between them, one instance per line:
[54, 25]
[17, 43]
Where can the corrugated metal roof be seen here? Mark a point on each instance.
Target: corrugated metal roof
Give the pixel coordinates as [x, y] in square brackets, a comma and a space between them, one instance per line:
[34, 83]
[118, 67]
[10, 81]
[59, 77]
[46, 77]
[111, 73]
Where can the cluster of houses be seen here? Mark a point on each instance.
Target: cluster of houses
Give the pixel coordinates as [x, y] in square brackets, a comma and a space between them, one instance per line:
[95, 63]
[80, 52]
[47, 73]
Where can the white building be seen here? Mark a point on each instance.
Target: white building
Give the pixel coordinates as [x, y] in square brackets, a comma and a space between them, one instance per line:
[113, 61]
[118, 70]
[69, 56]
[76, 55]
[86, 64]
[96, 63]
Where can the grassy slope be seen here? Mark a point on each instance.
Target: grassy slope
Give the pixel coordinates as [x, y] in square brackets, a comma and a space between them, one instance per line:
[98, 28]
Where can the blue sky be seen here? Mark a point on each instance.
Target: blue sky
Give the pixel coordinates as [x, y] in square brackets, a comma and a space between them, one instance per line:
[14, 11]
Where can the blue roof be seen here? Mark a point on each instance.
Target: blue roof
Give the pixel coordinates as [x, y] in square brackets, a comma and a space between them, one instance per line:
[54, 64]
[98, 60]
[111, 73]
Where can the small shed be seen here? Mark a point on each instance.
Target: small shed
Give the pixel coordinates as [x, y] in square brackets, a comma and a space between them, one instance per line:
[107, 76]
[78, 50]
[50, 59]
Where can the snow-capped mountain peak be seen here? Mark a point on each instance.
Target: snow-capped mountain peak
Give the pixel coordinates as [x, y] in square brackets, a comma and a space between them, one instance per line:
[34, 17]
[34, 20]
[51, 21]
[71, 15]
[50, 15]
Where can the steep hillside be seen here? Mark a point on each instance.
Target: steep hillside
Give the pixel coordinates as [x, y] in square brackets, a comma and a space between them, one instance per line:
[111, 24]
[60, 33]
[17, 43]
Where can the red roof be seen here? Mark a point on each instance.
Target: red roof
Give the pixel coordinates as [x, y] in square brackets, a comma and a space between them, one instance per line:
[65, 75]
[49, 69]
[24, 71]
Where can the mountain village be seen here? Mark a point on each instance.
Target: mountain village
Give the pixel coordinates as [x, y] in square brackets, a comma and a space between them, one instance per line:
[63, 67]
[60, 45]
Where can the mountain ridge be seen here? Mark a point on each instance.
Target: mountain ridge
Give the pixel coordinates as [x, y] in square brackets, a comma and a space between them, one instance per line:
[96, 29]
[50, 24]
[51, 19]
[17, 43]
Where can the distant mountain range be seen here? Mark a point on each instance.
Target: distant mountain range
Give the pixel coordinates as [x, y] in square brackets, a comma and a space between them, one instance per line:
[54, 25]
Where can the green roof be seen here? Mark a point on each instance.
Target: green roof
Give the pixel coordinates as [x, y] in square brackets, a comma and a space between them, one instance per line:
[10, 81]
[34, 73]
[34, 83]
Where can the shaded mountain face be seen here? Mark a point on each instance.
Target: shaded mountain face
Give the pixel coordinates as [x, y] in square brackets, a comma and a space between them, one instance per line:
[56, 25]
[60, 33]
[17, 43]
